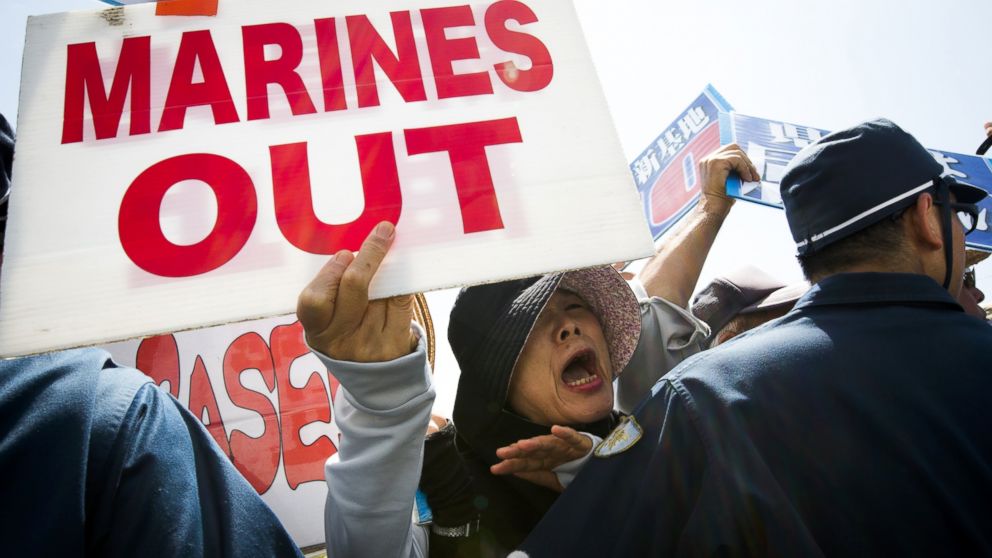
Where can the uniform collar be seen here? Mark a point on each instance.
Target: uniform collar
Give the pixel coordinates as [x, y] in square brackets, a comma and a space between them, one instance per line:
[874, 288]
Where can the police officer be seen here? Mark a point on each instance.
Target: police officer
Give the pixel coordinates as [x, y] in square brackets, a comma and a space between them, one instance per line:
[857, 424]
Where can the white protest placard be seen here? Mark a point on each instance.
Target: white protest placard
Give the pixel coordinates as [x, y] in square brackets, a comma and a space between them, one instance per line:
[266, 401]
[176, 172]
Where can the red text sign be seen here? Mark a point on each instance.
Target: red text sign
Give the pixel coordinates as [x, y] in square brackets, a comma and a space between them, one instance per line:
[265, 400]
[181, 172]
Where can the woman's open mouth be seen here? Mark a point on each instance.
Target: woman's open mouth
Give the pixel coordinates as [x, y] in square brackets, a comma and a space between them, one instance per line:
[580, 373]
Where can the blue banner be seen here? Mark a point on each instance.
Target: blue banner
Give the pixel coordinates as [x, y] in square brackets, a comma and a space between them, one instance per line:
[666, 173]
[977, 171]
[771, 144]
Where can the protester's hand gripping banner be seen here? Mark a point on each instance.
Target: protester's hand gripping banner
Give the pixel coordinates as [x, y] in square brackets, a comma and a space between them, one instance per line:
[665, 171]
[173, 173]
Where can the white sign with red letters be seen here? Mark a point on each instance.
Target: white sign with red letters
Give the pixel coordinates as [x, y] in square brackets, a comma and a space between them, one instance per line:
[264, 398]
[176, 172]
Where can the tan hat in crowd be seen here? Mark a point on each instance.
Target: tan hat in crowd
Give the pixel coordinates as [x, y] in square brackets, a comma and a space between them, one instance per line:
[974, 257]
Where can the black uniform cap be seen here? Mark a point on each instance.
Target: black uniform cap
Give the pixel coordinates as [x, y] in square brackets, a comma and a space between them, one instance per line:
[854, 178]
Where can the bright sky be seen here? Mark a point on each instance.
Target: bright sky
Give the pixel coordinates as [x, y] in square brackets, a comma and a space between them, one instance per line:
[924, 64]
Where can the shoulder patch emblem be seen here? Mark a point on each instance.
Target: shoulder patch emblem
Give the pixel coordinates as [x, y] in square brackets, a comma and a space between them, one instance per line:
[621, 439]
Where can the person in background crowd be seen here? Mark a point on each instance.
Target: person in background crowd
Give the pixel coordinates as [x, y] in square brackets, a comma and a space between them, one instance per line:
[538, 357]
[856, 425]
[97, 461]
[742, 300]
[971, 296]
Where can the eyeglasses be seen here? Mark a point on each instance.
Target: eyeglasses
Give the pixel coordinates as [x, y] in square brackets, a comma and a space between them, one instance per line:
[969, 278]
[967, 214]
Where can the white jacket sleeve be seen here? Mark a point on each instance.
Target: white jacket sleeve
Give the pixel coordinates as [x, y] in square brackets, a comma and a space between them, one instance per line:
[669, 335]
[566, 471]
[382, 410]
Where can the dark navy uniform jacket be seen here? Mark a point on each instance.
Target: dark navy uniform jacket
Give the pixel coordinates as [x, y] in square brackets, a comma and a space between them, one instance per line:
[859, 424]
[97, 461]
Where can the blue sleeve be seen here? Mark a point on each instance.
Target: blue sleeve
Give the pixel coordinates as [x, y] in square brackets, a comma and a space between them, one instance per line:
[691, 485]
[167, 490]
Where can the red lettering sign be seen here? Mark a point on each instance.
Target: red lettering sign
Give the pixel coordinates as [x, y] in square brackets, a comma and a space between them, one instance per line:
[299, 407]
[158, 357]
[542, 69]
[259, 72]
[256, 458]
[466, 147]
[141, 232]
[294, 202]
[443, 51]
[402, 68]
[197, 49]
[203, 405]
[331, 76]
[84, 80]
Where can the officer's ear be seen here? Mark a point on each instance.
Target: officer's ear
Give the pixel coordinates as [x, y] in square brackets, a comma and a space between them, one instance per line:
[923, 224]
